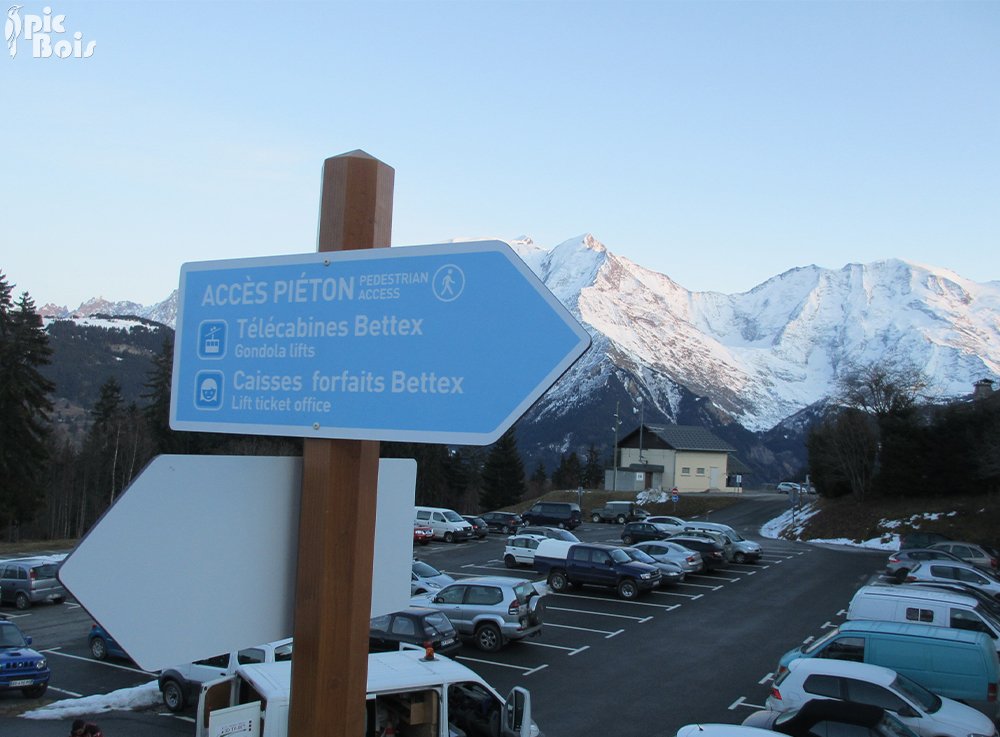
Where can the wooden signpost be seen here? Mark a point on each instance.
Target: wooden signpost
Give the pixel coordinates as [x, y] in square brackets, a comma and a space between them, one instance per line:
[337, 518]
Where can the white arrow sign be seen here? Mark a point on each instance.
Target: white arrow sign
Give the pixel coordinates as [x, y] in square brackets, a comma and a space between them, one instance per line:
[198, 556]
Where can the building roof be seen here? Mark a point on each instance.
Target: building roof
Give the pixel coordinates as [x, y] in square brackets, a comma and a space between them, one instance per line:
[679, 437]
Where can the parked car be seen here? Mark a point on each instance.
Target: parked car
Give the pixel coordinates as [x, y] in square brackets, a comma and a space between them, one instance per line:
[424, 577]
[557, 514]
[479, 527]
[689, 560]
[987, 602]
[21, 668]
[415, 626]
[715, 537]
[553, 533]
[788, 486]
[713, 555]
[28, 581]
[447, 524]
[953, 570]
[920, 539]
[422, 534]
[833, 718]
[721, 730]
[103, 645]
[618, 511]
[504, 522]
[568, 565]
[637, 532]
[670, 572]
[741, 550]
[673, 525]
[969, 552]
[520, 550]
[491, 610]
[900, 562]
[181, 684]
[925, 713]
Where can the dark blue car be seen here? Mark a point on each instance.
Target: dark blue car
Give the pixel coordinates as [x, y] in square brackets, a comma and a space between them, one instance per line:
[21, 667]
[103, 645]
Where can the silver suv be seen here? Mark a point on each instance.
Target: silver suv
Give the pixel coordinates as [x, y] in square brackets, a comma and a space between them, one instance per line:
[490, 609]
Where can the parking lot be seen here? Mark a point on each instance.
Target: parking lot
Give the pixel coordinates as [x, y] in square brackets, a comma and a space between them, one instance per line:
[702, 650]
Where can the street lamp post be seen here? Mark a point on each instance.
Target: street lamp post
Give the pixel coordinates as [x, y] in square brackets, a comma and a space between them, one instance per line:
[618, 422]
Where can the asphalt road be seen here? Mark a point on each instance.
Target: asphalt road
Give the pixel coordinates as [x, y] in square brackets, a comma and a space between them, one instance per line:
[699, 652]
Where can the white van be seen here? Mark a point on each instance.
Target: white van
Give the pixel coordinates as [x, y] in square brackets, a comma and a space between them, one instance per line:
[430, 698]
[921, 605]
[447, 524]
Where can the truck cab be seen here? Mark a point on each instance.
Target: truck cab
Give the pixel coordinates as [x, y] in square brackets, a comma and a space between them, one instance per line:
[418, 696]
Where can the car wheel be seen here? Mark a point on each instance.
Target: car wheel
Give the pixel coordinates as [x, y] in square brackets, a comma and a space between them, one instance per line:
[488, 638]
[558, 581]
[627, 589]
[418, 592]
[99, 648]
[449, 538]
[34, 692]
[59, 600]
[595, 518]
[627, 539]
[740, 558]
[505, 530]
[173, 696]
[508, 560]
[562, 525]
[21, 601]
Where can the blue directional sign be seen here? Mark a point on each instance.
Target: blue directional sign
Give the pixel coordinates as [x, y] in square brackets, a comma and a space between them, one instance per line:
[446, 343]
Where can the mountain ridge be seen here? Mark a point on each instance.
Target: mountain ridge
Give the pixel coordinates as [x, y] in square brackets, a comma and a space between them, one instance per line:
[749, 365]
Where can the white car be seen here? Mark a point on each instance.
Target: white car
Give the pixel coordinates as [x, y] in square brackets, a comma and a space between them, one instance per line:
[925, 713]
[786, 486]
[520, 550]
[689, 560]
[722, 730]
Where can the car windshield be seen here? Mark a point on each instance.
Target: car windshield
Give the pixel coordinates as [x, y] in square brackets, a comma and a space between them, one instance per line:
[452, 516]
[437, 624]
[735, 536]
[639, 555]
[620, 556]
[930, 702]
[818, 644]
[11, 637]
[424, 569]
[283, 652]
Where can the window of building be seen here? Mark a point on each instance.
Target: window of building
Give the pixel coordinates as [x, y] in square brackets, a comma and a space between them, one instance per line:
[685, 470]
[699, 472]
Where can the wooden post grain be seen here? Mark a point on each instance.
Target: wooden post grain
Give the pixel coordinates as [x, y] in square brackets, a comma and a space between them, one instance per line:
[337, 518]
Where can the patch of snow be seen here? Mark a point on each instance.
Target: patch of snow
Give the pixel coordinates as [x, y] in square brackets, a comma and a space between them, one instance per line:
[124, 699]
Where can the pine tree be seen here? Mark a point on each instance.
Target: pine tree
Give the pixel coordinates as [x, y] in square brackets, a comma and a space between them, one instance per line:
[593, 471]
[24, 407]
[503, 474]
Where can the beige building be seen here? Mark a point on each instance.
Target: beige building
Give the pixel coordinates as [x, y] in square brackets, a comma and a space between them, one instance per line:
[683, 457]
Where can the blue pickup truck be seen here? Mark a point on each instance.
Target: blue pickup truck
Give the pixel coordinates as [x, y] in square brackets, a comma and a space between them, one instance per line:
[594, 564]
[21, 667]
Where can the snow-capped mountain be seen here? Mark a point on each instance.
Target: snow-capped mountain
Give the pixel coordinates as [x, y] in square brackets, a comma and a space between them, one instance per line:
[742, 363]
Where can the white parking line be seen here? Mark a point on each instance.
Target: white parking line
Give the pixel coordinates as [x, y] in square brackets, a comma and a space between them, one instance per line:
[808, 640]
[525, 671]
[828, 625]
[606, 633]
[692, 597]
[572, 650]
[765, 679]
[620, 601]
[74, 694]
[736, 570]
[599, 614]
[55, 651]
[716, 578]
[741, 701]
[700, 586]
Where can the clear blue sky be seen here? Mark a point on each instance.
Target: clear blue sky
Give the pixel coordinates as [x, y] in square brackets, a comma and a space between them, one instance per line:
[719, 143]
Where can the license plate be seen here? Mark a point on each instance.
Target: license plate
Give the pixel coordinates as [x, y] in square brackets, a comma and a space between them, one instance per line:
[22, 682]
[449, 641]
